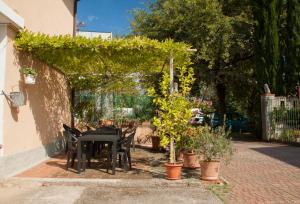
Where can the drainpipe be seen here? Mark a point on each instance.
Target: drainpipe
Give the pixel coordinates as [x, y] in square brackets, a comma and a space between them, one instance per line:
[75, 17]
[73, 90]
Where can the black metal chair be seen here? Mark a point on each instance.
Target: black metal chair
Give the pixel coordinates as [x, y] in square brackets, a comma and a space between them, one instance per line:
[72, 143]
[124, 151]
[74, 131]
[128, 131]
[72, 135]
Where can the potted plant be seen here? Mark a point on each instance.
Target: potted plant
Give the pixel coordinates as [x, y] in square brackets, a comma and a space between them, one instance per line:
[213, 145]
[173, 116]
[155, 140]
[188, 145]
[30, 75]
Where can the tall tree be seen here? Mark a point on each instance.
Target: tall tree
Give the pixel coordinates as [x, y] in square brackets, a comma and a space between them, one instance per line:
[267, 14]
[293, 45]
[220, 30]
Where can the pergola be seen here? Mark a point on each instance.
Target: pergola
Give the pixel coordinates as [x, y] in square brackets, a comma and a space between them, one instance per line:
[89, 63]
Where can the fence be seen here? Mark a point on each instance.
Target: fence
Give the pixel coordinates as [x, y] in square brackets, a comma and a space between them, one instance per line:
[280, 118]
[94, 106]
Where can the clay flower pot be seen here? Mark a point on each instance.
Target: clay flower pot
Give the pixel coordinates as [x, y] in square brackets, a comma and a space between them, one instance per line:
[155, 142]
[30, 79]
[210, 170]
[190, 160]
[173, 171]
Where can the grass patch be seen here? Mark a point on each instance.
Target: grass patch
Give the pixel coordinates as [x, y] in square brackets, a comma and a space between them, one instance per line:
[220, 190]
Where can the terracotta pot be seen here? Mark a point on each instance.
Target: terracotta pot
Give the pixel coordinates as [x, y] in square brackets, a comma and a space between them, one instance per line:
[210, 170]
[108, 122]
[173, 171]
[155, 142]
[146, 124]
[190, 160]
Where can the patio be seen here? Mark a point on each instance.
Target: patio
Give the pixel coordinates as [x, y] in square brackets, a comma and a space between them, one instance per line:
[146, 164]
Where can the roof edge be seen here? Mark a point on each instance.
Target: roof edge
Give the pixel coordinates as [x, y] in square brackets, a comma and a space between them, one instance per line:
[11, 15]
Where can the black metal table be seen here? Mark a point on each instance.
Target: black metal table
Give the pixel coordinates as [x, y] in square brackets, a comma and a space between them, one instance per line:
[94, 136]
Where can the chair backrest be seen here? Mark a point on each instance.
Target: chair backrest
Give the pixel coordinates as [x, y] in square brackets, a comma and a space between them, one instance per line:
[74, 131]
[77, 132]
[128, 140]
[66, 127]
[108, 131]
[129, 131]
[71, 137]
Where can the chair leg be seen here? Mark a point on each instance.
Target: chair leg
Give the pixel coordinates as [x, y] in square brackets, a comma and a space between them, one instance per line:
[68, 159]
[133, 144]
[129, 159]
[120, 161]
[84, 161]
[73, 159]
[108, 164]
[125, 162]
[66, 149]
[89, 154]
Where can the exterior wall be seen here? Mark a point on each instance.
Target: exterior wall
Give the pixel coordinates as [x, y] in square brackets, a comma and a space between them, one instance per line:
[39, 122]
[280, 118]
[3, 45]
[33, 132]
[47, 16]
[90, 34]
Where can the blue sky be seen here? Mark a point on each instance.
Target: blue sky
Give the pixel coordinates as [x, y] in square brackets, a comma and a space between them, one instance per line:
[107, 15]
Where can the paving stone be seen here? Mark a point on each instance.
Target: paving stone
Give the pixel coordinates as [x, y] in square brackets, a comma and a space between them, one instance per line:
[264, 173]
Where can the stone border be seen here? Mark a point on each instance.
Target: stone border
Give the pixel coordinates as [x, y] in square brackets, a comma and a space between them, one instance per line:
[106, 182]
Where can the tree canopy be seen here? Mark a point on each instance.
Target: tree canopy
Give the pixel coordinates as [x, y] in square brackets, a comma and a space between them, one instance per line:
[113, 65]
[222, 32]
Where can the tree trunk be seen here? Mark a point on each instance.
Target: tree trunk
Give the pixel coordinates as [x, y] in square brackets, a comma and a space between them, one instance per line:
[172, 151]
[221, 93]
[72, 107]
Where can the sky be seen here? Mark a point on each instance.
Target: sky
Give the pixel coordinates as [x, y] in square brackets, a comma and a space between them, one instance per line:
[107, 15]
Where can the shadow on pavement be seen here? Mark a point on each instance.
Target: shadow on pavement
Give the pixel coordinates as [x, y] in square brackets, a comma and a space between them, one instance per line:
[287, 154]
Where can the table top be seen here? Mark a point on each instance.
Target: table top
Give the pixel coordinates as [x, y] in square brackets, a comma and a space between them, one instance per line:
[93, 136]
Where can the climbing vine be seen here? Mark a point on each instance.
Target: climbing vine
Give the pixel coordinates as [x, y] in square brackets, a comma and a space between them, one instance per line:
[90, 63]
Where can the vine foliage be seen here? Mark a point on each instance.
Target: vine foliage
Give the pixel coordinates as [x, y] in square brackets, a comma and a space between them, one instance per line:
[113, 65]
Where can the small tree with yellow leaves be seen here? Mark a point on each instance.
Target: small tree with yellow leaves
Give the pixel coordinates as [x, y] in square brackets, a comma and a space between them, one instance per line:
[174, 109]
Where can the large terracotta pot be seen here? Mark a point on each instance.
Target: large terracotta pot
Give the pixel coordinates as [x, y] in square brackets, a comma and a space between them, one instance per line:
[173, 171]
[190, 160]
[155, 142]
[210, 170]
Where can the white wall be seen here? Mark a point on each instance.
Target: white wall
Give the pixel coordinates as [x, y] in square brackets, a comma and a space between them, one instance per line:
[103, 36]
[3, 45]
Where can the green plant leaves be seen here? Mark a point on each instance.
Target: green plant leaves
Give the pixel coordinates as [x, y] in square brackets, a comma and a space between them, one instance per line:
[93, 63]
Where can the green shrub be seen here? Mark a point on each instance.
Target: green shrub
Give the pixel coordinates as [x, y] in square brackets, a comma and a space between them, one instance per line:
[28, 71]
[214, 144]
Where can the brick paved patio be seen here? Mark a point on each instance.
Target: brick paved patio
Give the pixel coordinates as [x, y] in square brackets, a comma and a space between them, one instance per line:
[258, 173]
[146, 164]
[263, 173]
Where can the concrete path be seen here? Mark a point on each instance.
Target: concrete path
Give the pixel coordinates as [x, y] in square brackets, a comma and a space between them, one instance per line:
[263, 173]
[83, 191]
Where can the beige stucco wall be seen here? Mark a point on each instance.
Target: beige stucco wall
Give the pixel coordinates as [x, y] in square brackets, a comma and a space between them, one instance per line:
[39, 122]
[47, 16]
